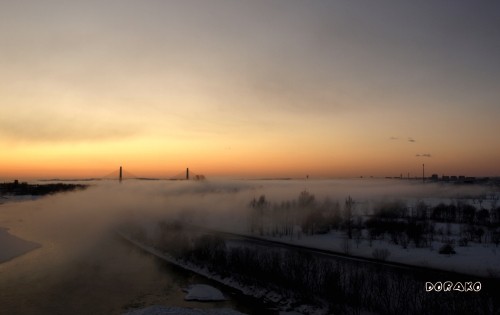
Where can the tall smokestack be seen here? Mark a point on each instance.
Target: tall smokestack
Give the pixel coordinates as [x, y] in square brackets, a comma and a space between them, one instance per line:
[423, 173]
[121, 174]
[187, 173]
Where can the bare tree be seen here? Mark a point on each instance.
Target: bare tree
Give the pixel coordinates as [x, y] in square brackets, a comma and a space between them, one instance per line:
[348, 219]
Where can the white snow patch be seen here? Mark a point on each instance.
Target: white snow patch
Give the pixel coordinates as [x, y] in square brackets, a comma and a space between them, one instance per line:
[203, 292]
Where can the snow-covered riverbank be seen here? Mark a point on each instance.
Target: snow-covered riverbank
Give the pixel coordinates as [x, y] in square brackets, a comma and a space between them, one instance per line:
[475, 259]
[12, 246]
[265, 294]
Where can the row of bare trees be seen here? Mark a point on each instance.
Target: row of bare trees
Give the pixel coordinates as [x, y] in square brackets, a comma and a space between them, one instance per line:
[305, 214]
[346, 287]
[394, 221]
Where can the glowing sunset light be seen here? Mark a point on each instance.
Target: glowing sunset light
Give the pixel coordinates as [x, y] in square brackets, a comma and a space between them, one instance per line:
[249, 89]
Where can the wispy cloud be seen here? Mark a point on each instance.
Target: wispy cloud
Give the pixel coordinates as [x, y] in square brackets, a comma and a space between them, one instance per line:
[410, 139]
[426, 155]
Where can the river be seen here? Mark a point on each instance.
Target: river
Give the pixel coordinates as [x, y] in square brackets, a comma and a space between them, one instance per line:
[83, 270]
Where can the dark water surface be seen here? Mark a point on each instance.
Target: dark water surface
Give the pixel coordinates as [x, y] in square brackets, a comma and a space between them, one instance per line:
[82, 267]
[111, 278]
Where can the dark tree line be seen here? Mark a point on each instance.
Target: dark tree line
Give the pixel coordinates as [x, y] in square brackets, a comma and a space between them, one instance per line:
[345, 287]
[19, 189]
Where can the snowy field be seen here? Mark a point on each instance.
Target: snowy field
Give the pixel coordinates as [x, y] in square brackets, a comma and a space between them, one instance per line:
[477, 259]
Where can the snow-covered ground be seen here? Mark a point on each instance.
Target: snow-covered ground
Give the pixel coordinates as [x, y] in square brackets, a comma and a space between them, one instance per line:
[12, 246]
[475, 259]
[203, 292]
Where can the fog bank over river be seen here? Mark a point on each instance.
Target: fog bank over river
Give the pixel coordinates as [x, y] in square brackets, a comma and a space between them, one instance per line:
[83, 268]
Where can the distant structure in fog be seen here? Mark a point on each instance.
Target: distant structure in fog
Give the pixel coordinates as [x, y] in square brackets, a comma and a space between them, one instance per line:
[461, 179]
[423, 173]
[195, 177]
[123, 174]
[187, 175]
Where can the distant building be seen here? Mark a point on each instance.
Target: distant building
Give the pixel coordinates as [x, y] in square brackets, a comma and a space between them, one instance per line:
[434, 177]
[199, 177]
[470, 180]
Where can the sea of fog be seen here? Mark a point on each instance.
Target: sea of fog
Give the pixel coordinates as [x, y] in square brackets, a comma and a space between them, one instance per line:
[82, 217]
[81, 267]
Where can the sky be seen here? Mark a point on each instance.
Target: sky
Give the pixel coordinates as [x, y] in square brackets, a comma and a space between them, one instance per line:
[277, 88]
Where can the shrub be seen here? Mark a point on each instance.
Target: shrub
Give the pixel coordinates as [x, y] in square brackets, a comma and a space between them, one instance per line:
[447, 249]
[463, 242]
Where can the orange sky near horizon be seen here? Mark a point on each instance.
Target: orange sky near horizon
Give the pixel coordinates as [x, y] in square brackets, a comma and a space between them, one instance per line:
[249, 89]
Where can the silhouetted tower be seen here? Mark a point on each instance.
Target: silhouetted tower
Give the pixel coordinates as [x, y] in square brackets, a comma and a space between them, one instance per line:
[423, 173]
[121, 174]
[187, 173]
